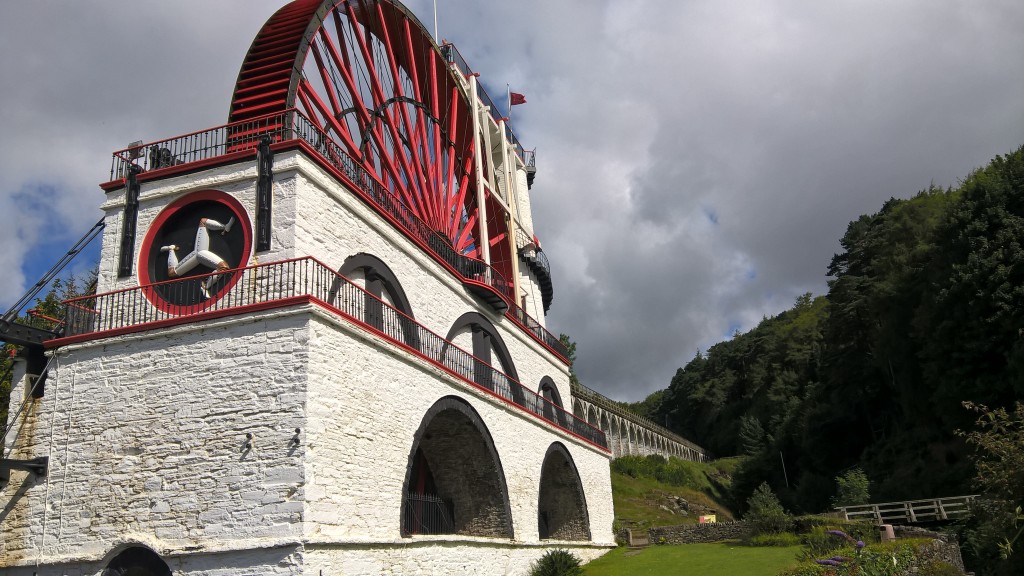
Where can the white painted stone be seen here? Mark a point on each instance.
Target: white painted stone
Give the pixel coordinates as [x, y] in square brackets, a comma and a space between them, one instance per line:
[147, 433]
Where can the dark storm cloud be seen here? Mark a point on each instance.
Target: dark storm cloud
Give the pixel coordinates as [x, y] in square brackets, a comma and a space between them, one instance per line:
[698, 161]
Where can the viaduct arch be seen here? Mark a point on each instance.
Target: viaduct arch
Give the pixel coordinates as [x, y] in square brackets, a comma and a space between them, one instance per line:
[630, 434]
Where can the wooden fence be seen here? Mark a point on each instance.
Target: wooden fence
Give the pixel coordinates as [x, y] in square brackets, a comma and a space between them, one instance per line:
[911, 511]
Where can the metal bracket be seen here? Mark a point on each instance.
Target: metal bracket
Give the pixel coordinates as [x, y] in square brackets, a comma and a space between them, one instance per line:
[264, 193]
[131, 216]
[37, 466]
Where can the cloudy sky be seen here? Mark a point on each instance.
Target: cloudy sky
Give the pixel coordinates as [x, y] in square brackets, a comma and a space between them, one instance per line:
[698, 160]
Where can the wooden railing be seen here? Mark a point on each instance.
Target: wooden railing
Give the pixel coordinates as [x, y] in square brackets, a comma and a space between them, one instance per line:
[911, 511]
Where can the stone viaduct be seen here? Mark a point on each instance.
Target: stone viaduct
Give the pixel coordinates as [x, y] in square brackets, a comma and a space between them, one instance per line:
[629, 433]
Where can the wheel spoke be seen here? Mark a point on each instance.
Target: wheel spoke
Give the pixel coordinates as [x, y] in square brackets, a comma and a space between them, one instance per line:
[371, 79]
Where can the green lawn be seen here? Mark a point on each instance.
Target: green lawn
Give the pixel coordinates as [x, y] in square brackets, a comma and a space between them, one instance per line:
[694, 559]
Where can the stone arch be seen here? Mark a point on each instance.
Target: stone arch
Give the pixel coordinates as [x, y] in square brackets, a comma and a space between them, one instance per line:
[454, 482]
[487, 344]
[381, 287]
[592, 416]
[578, 410]
[614, 442]
[562, 505]
[631, 438]
[623, 437]
[136, 560]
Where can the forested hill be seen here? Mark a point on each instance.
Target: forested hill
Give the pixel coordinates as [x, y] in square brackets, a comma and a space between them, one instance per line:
[925, 310]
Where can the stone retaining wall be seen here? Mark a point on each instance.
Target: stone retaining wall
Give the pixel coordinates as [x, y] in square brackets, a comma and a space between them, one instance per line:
[943, 547]
[699, 533]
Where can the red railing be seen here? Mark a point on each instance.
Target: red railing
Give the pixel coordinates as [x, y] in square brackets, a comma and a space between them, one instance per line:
[294, 281]
[292, 125]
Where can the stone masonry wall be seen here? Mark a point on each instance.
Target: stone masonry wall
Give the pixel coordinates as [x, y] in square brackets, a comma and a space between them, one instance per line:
[944, 546]
[146, 436]
[365, 407]
[333, 224]
[699, 533]
[315, 216]
[147, 432]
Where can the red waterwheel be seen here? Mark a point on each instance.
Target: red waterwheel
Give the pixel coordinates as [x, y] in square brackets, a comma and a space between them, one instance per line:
[368, 74]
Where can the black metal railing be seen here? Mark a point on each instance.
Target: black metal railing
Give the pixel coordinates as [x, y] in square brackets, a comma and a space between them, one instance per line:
[452, 55]
[293, 125]
[534, 327]
[467, 267]
[198, 146]
[428, 514]
[511, 137]
[241, 289]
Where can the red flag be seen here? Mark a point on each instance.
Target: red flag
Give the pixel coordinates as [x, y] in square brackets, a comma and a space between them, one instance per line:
[517, 98]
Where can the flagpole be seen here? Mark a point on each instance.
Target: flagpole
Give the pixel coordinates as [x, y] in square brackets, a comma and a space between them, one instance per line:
[508, 98]
[435, 21]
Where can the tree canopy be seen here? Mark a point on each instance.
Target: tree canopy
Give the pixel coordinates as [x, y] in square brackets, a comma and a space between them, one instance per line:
[925, 310]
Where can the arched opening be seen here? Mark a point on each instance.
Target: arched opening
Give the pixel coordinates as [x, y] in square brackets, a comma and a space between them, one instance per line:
[454, 481]
[592, 416]
[473, 331]
[552, 398]
[137, 561]
[577, 410]
[624, 438]
[562, 507]
[383, 305]
[614, 442]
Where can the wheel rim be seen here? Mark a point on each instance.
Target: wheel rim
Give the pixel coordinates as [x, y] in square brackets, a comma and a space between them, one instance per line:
[368, 74]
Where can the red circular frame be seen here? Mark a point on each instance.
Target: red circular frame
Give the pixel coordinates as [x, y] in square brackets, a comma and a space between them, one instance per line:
[241, 215]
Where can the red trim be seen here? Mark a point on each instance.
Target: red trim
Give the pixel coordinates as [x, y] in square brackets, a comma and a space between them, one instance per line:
[211, 195]
[448, 370]
[342, 178]
[361, 194]
[306, 299]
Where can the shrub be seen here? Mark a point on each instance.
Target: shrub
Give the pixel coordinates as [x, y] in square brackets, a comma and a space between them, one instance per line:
[768, 540]
[557, 563]
[680, 473]
[674, 471]
[939, 568]
[637, 466]
[806, 570]
[886, 559]
[851, 489]
[818, 543]
[857, 529]
[765, 513]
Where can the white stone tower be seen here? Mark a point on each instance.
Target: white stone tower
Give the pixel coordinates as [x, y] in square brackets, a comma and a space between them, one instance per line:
[317, 344]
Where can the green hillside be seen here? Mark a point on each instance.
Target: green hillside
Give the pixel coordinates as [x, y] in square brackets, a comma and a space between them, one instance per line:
[652, 491]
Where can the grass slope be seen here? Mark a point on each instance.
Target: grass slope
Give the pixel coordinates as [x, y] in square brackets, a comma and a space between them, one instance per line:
[689, 559]
[642, 501]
